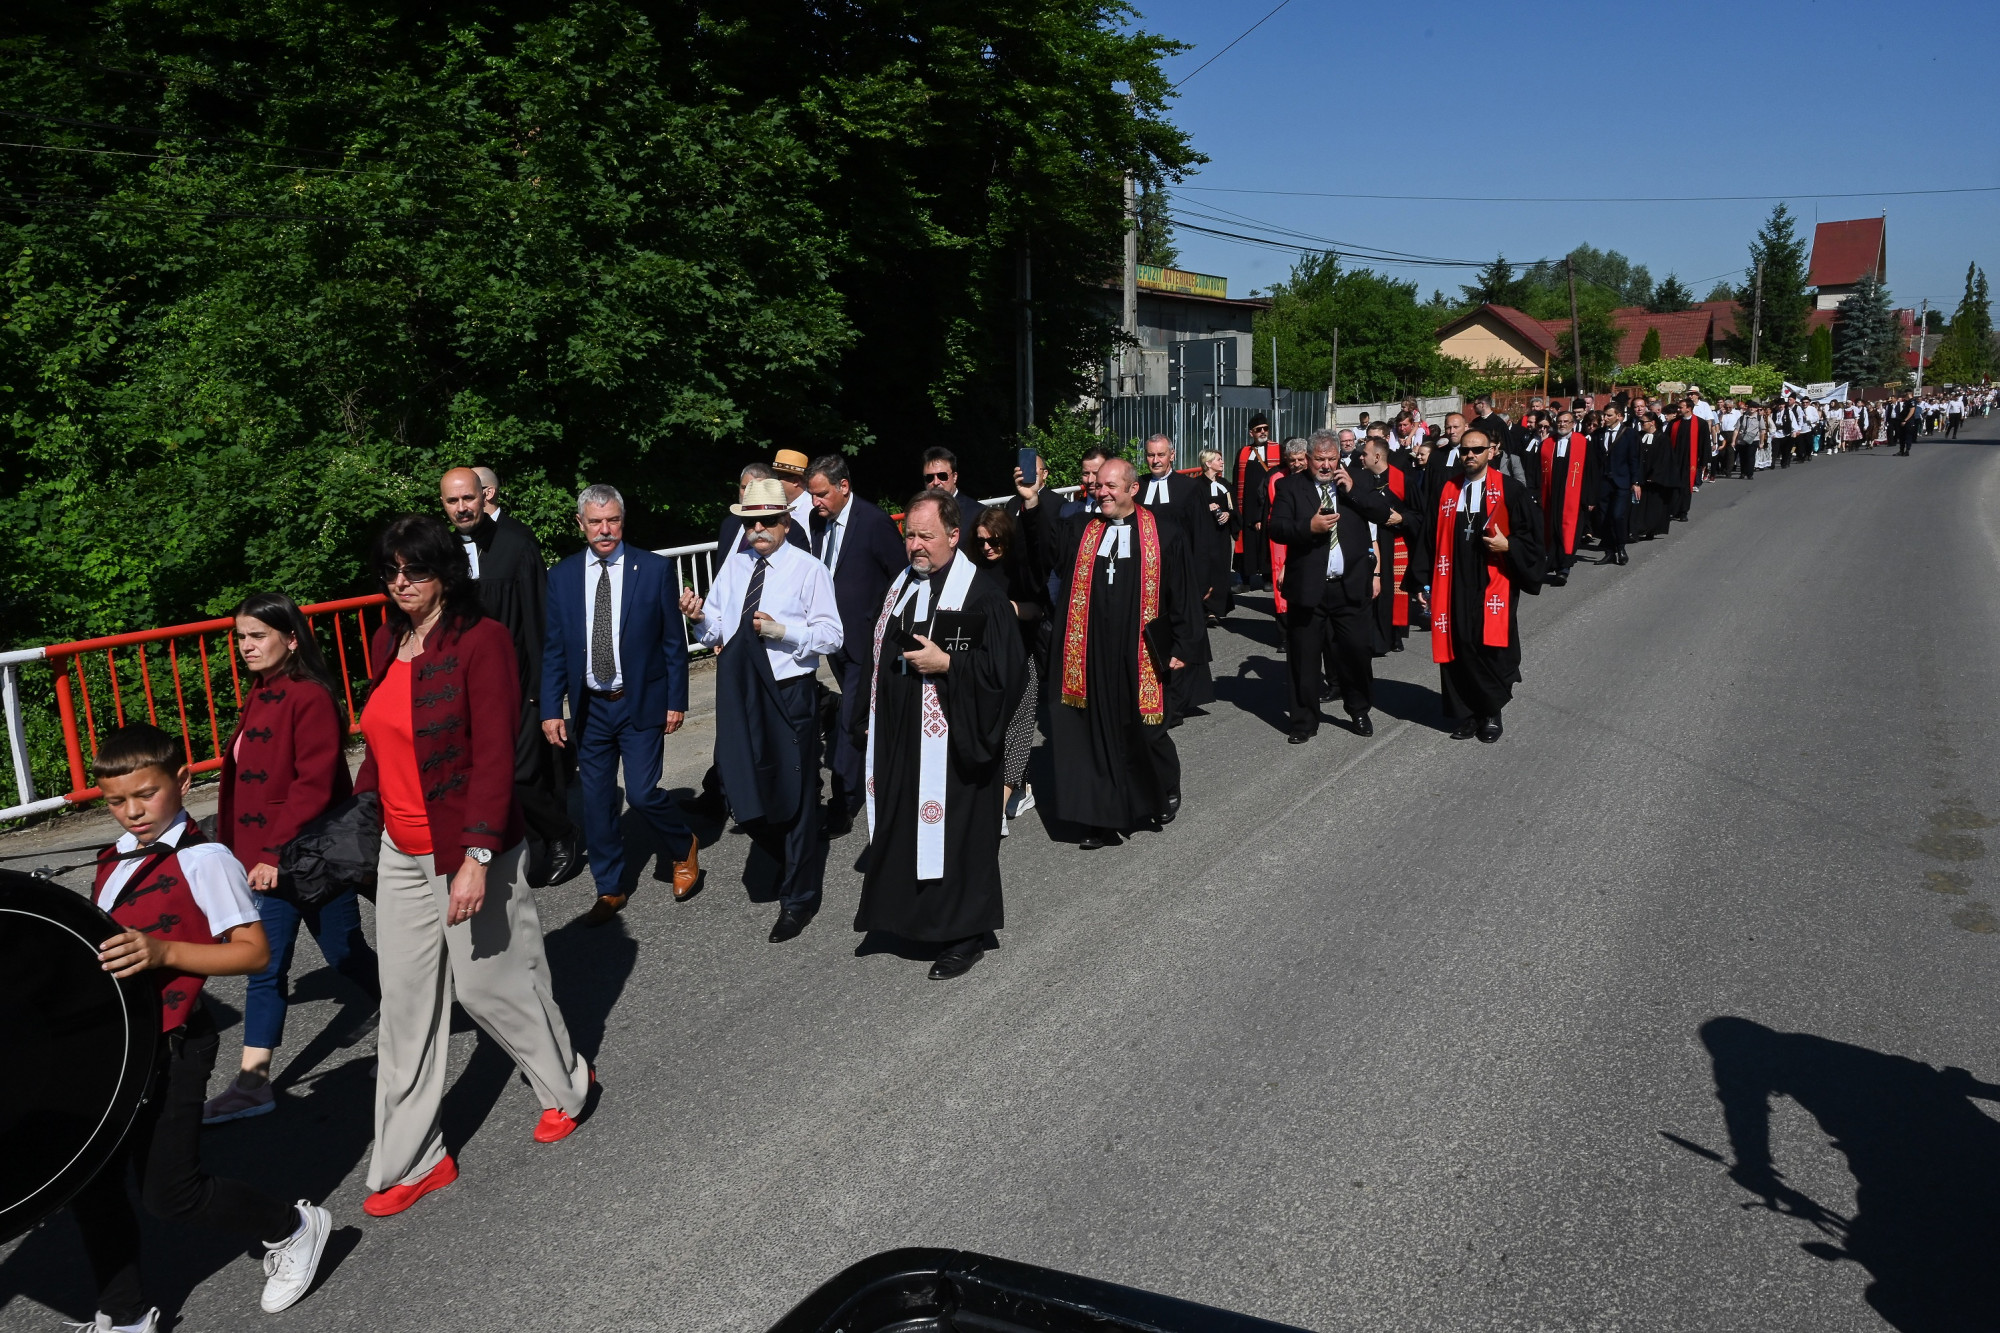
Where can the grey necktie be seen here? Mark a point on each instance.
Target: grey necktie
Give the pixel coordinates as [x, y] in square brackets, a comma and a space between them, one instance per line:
[602, 664]
[832, 540]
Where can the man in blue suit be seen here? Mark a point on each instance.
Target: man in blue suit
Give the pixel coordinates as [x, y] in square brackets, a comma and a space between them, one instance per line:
[1624, 473]
[617, 650]
[860, 547]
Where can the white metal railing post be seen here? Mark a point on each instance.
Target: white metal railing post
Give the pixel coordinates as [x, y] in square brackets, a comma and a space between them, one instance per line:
[17, 735]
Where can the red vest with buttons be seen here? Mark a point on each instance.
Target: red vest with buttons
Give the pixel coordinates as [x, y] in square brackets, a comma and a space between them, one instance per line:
[158, 902]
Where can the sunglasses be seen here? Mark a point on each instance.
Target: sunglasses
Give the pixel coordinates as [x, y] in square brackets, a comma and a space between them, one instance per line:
[764, 521]
[1475, 448]
[413, 573]
[989, 541]
[937, 476]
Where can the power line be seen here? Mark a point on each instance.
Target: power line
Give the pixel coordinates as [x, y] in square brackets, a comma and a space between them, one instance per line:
[1589, 199]
[1239, 37]
[1327, 243]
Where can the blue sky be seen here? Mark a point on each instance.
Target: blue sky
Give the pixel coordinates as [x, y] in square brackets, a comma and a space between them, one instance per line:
[1756, 97]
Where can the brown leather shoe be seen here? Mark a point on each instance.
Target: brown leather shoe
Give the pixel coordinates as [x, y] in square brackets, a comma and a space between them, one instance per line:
[687, 872]
[607, 906]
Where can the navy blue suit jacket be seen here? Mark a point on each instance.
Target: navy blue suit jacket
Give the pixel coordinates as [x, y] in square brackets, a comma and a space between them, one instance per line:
[1623, 468]
[652, 640]
[871, 556]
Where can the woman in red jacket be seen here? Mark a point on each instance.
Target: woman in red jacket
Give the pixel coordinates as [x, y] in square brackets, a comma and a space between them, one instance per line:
[453, 908]
[283, 766]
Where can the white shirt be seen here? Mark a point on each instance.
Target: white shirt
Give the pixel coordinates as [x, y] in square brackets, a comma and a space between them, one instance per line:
[798, 594]
[214, 877]
[834, 537]
[1703, 410]
[1157, 492]
[471, 554]
[591, 570]
[1730, 418]
[1336, 560]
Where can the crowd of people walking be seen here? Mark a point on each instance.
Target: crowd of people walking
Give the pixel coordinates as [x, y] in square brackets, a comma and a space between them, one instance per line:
[916, 666]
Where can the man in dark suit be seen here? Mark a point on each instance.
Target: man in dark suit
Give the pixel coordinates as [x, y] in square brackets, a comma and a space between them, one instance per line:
[513, 580]
[1182, 501]
[617, 648]
[1624, 474]
[1322, 519]
[861, 549]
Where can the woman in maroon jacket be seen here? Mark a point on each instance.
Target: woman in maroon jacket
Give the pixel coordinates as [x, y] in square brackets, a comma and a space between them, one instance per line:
[283, 767]
[453, 909]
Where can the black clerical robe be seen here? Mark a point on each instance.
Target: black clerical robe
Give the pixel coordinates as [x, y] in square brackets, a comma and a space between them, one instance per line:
[1570, 482]
[1478, 594]
[1184, 504]
[975, 699]
[1658, 492]
[1112, 769]
[1217, 546]
[1402, 568]
[1688, 444]
[513, 588]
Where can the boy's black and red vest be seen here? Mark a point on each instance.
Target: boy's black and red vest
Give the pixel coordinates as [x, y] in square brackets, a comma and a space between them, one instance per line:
[158, 902]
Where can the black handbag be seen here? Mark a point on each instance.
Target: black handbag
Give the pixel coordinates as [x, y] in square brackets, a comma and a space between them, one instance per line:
[333, 854]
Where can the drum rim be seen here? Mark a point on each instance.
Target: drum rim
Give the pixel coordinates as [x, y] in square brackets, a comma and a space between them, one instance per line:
[67, 910]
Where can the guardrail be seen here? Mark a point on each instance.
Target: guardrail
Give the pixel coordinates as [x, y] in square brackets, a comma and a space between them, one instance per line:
[100, 682]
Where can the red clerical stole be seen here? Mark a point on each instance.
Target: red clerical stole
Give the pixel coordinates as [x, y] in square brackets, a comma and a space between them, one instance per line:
[1399, 555]
[1499, 588]
[1572, 489]
[1076, 633]
[1243, 457]
[1694, 451]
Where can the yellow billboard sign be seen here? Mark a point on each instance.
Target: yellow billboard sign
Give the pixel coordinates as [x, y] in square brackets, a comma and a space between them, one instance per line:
[1154, 277]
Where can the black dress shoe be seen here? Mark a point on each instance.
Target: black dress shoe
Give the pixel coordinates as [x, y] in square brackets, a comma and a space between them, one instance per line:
[1095, 838]
[1298, 738]
[1468, 727]
[1624, 557]
[836, 824]
[566, 860]
[955, 964]
[789, 926]
[1363, 724]
[1326, 694]
[1489, 730]
[1173, 807]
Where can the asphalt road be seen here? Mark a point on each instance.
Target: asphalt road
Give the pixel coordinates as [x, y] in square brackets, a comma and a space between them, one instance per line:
[1398, 1034]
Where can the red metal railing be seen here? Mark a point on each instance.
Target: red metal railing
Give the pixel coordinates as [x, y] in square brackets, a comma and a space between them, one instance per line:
[183, 651]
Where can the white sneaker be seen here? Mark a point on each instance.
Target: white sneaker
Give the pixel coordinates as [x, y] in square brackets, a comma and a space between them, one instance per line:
[1024, 801]
[289, 1265]
[103, 1324]
[1004, 830]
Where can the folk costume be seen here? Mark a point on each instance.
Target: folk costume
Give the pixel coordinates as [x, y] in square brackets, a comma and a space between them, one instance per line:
[1125, 608]
[933, 747]
[1476, 594]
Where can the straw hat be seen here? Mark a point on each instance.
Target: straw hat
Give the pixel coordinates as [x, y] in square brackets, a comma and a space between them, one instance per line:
[762, 497]
[790, 463]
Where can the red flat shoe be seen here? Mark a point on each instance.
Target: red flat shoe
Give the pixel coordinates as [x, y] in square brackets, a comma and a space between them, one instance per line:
[556, 1125]
[389, 1202]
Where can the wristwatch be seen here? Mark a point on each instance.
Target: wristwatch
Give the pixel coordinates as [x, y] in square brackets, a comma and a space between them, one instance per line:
[483, 855]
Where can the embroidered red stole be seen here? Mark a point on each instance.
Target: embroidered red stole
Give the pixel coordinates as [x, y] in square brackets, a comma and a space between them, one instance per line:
[1076, 633]
[1565, 524]
[1399, 554]
[1499, 587]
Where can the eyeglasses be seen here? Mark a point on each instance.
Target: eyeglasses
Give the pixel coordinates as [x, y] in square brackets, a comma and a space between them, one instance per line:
[413, 573]
[937, 476]
[764, 520]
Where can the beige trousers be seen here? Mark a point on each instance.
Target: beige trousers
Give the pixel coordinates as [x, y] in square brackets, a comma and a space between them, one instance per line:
[495, 964]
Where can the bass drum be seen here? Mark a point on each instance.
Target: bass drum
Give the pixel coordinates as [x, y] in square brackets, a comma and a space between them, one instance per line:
[76, 1048]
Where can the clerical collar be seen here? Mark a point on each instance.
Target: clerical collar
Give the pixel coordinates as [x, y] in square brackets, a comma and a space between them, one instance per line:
[481, 534]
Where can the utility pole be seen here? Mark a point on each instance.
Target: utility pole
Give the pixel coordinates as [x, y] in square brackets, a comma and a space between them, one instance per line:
[1575, 331]
[1276, 434]
[1757, 318]
[1923, 314]
[1024, 343]
[1333, 381]
[1130, 321]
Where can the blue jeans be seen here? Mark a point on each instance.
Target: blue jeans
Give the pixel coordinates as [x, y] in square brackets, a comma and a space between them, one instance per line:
[336, 925]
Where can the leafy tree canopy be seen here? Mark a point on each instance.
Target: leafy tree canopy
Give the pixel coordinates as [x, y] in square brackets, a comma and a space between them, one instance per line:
[1388, 342]
[1671, 295]
[1787, 302]
[1965, 355]
[271, 265]
[1868, 343]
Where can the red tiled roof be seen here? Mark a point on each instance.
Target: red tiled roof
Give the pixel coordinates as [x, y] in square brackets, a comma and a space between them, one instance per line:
[1821, 319]
[1722, 317]
[1843, 251]
[1531, 329]
[1682, 333]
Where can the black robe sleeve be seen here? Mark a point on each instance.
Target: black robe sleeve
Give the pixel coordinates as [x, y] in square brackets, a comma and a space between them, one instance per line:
[1527, 554]
[984, 684]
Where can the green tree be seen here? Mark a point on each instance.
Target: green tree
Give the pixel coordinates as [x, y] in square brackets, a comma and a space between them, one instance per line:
[1722, 291]
[1496, 284]
[1630, 283]
[1671, 295]
[1787, 302]
[1867, 342]
[1388, 342]
[1965, 354]
[1819, 355]
[1598, 337]
[1156, 230]
[1649, 346]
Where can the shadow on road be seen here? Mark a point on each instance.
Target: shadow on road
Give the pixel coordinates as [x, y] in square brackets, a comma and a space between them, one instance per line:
[1925, 1158]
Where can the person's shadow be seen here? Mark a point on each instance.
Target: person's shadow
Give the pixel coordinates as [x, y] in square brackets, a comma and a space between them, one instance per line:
[1925, 1158]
